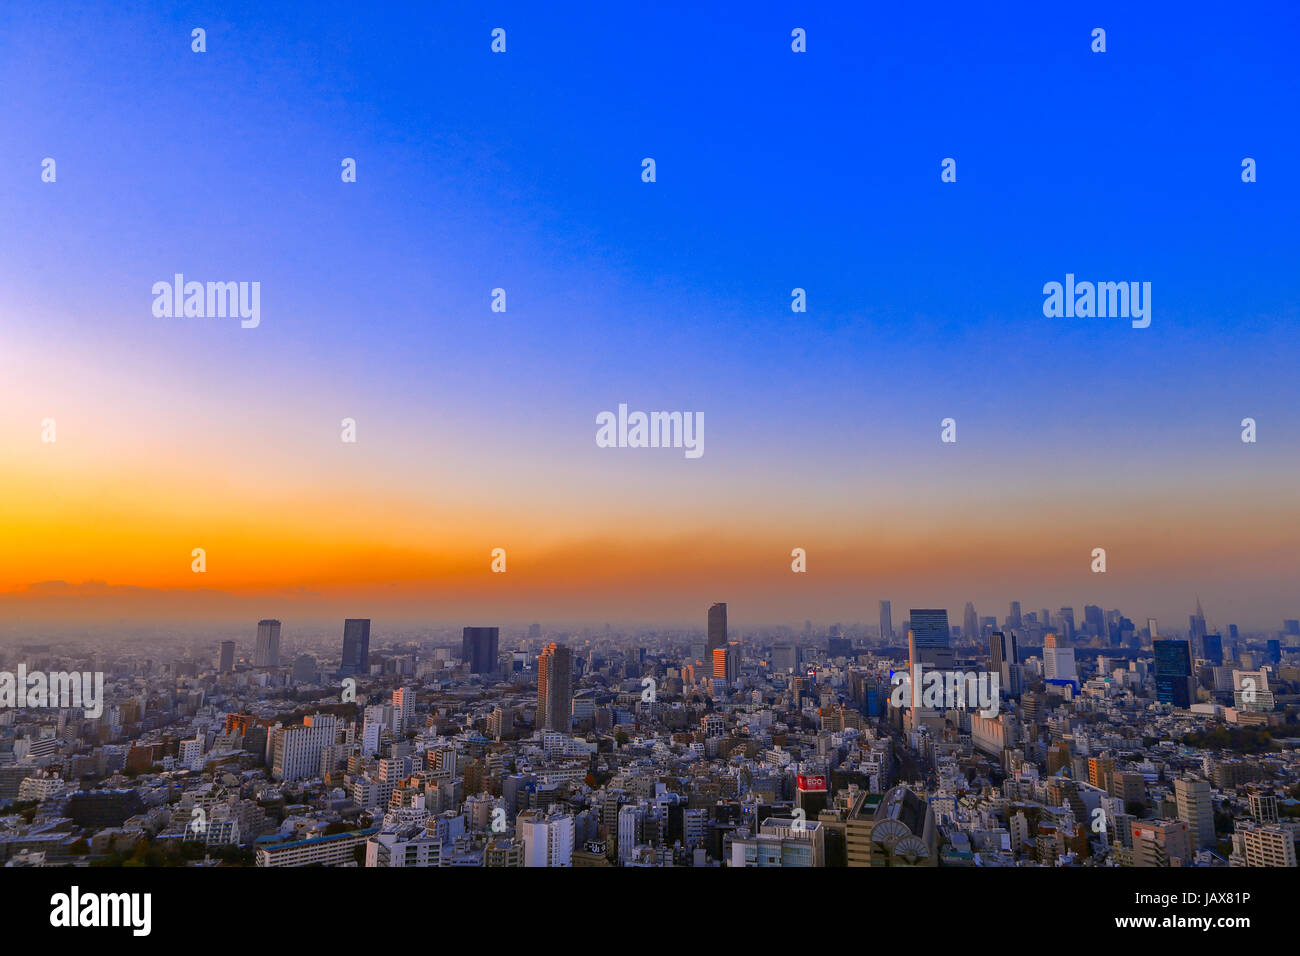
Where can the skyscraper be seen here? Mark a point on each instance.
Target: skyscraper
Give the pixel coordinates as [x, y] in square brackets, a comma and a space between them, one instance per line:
[478, 649]
[970, 623]
[886, 622]
[1196, 625]
[1004, 662]
[554, 688]
[1094, 621]
[717, 629]
[928, 641]
[1212, 649]
[1067, 623]
[356, 646]
[1173, 672]
[267, 652]
[1013, 615]
[227, 657]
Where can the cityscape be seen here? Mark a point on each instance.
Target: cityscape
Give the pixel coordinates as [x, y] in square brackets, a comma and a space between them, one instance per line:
[1108, 742]
[590, 437]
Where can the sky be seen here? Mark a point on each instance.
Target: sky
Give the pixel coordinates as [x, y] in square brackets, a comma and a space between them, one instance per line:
[522, 170]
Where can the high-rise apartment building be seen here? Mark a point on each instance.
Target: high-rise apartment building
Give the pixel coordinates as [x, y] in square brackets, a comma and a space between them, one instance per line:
[227, 657]
[1196, 809]
[886, 622]
[554, 688]
[548, 840]
[296, 751]
[1263, 846]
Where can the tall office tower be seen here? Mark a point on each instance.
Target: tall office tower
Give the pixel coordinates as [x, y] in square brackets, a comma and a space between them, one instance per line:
[928, 640]
[1196, 624]
[1094, 621]
[356, 646]
[717, 629]
[1013, 615]
[1067, 623]
[478, 649]
[227, 657]
[1196, 809]
[971, 623]
[1274, 650]
[1151, 629]
[1004, 661]
[554, 688]
[267, 652]
[1212, 649]
[886, 622]
[534, 632]
[726, 663]
[1058, 661]
[1173, 673]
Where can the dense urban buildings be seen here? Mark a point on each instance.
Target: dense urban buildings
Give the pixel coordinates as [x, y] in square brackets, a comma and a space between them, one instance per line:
[600, 747]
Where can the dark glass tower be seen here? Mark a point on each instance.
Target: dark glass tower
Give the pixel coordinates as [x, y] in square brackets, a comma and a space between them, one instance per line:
[356, 646]
[1173, 672]
[478, 649]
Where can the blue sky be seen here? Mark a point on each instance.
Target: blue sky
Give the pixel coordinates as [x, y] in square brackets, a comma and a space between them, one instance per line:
[775, 170]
